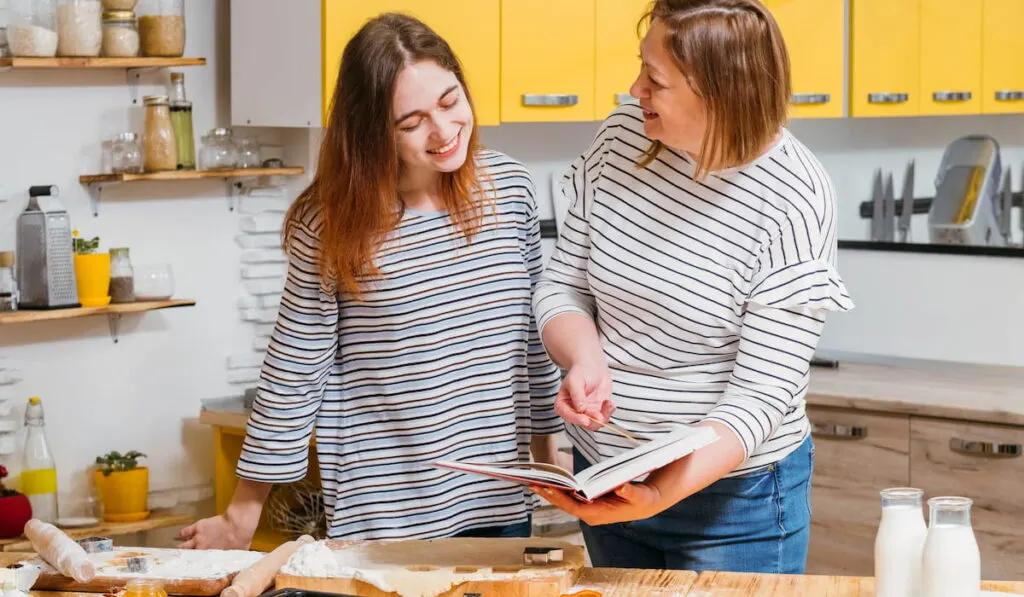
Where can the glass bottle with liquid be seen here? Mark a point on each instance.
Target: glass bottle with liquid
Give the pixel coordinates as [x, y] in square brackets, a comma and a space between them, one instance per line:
[181, 120]
[39, 470]
[899, 543]
[951, 562]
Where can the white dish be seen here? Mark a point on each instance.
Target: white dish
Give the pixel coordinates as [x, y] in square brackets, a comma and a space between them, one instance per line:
[77, 522]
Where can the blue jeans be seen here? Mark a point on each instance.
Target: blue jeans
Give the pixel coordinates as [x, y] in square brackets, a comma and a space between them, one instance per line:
[520, 530]
[756, 522]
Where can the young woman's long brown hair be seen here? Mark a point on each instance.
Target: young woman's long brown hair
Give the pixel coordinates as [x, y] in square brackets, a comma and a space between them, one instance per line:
[355, 189]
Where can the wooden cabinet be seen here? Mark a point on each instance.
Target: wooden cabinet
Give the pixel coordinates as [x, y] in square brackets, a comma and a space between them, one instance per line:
[617, 50]
[950, 57]
[845, 501]
[814, 31]
[1002, 57]
[547, 60]
[471, 27]
[885, 57]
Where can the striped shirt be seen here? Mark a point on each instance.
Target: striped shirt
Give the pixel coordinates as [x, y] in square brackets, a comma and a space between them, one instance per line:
[440, 359]
[709, 297]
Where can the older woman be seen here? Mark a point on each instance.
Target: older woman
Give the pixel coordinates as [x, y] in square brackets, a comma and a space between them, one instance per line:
[689, 285]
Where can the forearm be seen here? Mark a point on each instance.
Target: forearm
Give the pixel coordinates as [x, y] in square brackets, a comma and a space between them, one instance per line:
[247, 502]
[571, 339]
[686, 477]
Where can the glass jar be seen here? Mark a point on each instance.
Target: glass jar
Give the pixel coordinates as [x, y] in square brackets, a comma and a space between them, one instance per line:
[140, 587]
[159, 152]
[120, 35]
[79, 28]
[154, 282]
[899, 542]
[126, 154]
[122, 278]
[32, 30]
[218, 151]
[8, 287]
[248, 153]
[951, 561]
[119, 4]
[162, 27]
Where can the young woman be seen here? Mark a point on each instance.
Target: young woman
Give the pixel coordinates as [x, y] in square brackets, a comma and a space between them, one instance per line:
[405, 333]
[690, 285]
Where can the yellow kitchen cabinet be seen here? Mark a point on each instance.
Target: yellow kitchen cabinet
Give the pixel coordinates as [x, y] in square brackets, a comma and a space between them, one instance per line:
[618, 49]
[471, 27]
[547, 60]
[885, 57]
[950, 57]
[1002, 59]
[814, 31]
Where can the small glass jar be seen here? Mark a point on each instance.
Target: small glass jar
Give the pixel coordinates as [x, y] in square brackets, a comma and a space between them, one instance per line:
[79, 28]
[122, 278]
[32, 30]
[126, 154]
[119, 4]
[218, 151]
[120, 35]
[8, 285]
[159, 151]
[154, 282]
[140, 587]
[248, 153]
[162, 27]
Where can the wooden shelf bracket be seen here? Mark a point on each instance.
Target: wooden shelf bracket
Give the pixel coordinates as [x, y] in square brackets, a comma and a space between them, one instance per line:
[114, 319]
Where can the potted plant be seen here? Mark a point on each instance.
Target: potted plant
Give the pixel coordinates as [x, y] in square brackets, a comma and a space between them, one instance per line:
[15, 509]
[92, 271]
[123, 486]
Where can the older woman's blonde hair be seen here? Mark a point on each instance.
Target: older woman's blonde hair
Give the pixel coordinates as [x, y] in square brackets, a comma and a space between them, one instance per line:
[734, 56]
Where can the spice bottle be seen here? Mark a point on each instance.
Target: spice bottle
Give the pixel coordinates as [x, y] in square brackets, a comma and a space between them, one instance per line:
[159, 150]
[181, 119]
[122, 277]
[79, 30]
[162, 27]
[120, 35]
[8, 287]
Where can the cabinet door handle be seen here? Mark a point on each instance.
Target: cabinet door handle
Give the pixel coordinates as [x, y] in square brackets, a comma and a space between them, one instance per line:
[839, 431]
[806, 99]
[951, 96]
[624, 98]
[887, 98]
[986, 449]
[550, 99]
[1009, 96]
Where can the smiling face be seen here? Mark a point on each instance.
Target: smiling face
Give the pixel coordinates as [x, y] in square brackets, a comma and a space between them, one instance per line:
[432, 117]
[674, 112]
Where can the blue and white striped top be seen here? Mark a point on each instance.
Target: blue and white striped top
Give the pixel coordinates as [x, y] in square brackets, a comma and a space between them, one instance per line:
[440, 359]
[709, 296]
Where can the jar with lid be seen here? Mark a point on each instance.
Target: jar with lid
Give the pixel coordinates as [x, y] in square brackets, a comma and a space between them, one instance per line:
[8, 286]
[79, 27]
[159, 151]
[126, 154]
[32, 30]
[119, 4]
[122, 278]
[142, 587]
[120, 35]
[162, 27]
[218, 151]
[248, 153]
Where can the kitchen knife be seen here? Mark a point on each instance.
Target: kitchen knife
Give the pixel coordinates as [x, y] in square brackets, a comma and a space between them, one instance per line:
[876, 204]
[889, 212]
[907, 208]
[1006, 207]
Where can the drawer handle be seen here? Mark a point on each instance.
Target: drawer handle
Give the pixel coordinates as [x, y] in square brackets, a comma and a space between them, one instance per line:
[624, 98]
[840, 431]
[550, 99]
[887, 98]
[1009, 96]
[807, 99]
[951, 96]
[986, 449]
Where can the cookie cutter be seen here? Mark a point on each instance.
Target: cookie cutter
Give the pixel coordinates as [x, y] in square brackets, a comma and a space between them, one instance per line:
[96, 544]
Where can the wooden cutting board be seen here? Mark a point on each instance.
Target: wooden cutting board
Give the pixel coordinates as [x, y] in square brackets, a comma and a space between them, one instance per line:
[182, 572]
[490, 567]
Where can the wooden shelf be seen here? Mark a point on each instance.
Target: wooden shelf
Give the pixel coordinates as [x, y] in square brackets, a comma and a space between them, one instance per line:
[30, 315]
[107, 529]
[190, 174]
[58, 63]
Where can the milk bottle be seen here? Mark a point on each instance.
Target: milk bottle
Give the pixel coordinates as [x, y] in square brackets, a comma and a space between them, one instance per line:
[951, 563]
[899, 543]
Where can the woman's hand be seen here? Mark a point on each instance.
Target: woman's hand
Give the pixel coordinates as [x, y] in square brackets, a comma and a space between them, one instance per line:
[219, 532]
[627, 503]
[586, 392]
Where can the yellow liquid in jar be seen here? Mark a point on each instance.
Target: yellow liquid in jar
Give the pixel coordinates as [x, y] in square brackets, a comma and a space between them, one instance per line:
[144, 588]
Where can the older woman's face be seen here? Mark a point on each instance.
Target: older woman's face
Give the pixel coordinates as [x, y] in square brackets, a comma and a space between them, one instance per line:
[673, 112]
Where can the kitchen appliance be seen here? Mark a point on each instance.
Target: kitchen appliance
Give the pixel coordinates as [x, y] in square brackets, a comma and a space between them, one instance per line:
[45, 264]
[967, 184]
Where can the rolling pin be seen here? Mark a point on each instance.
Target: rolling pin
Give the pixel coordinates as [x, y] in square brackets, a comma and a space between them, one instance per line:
[59, 550]
[254, 579]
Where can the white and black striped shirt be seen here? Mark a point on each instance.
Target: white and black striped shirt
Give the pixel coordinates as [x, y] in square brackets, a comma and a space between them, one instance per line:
[440, 359]
[709, 296]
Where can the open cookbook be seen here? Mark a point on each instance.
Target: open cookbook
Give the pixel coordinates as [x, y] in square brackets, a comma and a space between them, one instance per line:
[600, 478]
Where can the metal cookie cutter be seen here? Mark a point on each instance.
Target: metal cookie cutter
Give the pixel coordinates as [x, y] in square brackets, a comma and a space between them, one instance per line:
[533, 556]
[138, 564]
[96, 544]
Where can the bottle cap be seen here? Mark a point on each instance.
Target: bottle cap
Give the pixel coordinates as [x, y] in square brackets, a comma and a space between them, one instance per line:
[34, 400]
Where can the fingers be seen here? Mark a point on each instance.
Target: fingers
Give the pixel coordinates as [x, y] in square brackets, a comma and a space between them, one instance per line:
[187, 532]
[190, 544]
[559, 499]
[564, 409]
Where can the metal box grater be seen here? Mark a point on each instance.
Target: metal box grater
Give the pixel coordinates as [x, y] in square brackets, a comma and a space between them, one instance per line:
[46, 266]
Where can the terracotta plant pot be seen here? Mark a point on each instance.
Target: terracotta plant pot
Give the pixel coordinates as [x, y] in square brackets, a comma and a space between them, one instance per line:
[124, 494]
[92, 277]
[15, 511]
